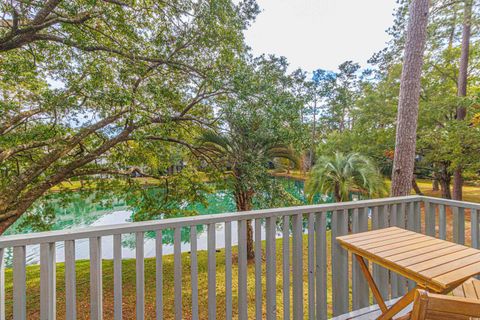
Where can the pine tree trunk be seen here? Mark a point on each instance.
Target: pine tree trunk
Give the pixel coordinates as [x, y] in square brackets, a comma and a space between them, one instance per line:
[314, 133]
[462, 88]
[405, 142]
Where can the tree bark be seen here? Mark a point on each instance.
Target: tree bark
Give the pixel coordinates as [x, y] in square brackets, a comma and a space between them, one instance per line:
[462, 88]
[405, 142]
[435, 184]
[416, 187]
[243, 201]
[445, 187]
[444, 178]
[314, 133]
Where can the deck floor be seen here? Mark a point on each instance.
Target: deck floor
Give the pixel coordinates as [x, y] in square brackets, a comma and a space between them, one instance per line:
[371, 312]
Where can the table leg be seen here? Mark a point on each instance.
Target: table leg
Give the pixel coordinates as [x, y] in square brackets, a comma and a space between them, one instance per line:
[398, 306]
[371, 283]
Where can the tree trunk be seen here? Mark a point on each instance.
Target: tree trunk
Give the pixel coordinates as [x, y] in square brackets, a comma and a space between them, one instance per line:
[314, 133]
[336, 194]
[457, 184]
[435, 185]
[445, 187]
[444, 178]
[415, 187]
[405, 142]
[462, 88]
[243, 201]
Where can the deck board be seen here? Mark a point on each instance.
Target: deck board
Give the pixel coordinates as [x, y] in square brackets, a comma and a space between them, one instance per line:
[371, 312]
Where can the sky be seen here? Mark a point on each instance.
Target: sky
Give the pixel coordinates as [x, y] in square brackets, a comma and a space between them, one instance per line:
[321, 34]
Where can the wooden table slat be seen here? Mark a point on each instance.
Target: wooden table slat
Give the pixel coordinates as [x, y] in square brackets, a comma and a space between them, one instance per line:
[420, 255]
[458, 276]
[387, 241]
[419, 244]
[452, 266]
[372, 233]
[434, 262]
[401, 243]
[387, 237]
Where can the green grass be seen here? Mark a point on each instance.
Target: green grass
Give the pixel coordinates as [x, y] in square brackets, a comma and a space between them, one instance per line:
[82, 271]
[471, 193]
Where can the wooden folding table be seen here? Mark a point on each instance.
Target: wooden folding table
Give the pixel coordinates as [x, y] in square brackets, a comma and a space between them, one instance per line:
[435, 265]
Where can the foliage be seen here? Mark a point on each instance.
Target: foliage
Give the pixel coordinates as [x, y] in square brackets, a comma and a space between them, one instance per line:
[443, 142]
[340, 174]
[101, 89]
[259, 127]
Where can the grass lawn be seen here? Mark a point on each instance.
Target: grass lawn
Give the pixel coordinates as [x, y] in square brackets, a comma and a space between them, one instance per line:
[471, 193]
[33, 286]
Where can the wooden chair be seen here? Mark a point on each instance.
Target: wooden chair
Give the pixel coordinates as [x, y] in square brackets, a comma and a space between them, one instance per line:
[429, 306]
[469, 289]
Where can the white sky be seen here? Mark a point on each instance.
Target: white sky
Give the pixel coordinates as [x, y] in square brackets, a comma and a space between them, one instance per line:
[315, 34]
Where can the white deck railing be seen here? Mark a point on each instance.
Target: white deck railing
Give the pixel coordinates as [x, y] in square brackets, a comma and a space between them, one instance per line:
[294, 222]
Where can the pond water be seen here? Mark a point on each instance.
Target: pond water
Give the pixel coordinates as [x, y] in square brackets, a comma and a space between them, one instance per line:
[88, 211]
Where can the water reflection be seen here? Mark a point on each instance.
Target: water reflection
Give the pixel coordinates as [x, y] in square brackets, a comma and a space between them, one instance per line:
[88, 211]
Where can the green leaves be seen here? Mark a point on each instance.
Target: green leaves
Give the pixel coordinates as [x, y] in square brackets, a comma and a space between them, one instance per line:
[340, 174]
[152, 69]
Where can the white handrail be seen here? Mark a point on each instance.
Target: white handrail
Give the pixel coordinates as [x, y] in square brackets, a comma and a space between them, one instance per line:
[144, 226]
[404, 212]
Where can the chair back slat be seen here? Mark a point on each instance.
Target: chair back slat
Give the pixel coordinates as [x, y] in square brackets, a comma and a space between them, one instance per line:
[428, 306]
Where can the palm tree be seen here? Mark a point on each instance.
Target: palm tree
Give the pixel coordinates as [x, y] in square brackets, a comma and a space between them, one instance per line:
[246, 157]
[342, 173]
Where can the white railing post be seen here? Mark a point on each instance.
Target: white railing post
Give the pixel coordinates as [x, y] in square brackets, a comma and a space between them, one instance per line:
[2, 284]
[258, 269]
[360, 290]
[286, 267]
[177, 274]
[117, 277]
[212, 281]
[313, 242]
[96, 303]
[474, 219]
[70, 281]
[458, 225]
[47, 281]
[297, 264]
[140, 275]
[429, 218]
[340, 294]
[19, 284]
[228, 271]
[242, 270]
[159, 275]
[194, 271]
[311, 265]
[271, 276]
[321, 265]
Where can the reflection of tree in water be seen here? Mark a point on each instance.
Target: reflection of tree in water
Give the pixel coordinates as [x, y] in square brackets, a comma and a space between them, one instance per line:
[128, 240]
[70, 209]
[64, 210]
